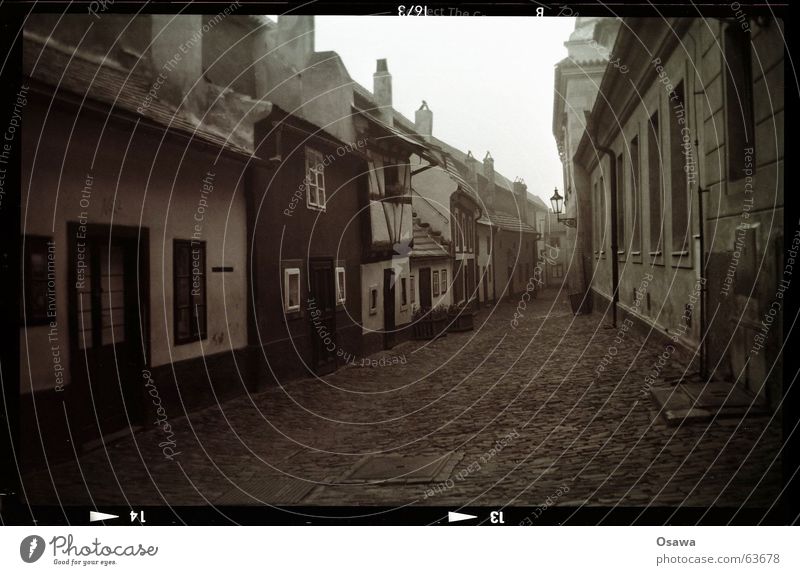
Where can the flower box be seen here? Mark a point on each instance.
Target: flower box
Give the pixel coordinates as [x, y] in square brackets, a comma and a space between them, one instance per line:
[429, 324]
[460, 319]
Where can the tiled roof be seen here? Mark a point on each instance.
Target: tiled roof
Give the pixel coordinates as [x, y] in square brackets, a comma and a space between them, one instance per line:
[109, 83]
[425, 245]
[505, 221]
[457, 168]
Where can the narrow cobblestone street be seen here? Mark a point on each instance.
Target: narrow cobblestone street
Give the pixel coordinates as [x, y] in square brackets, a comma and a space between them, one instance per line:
[566, 434]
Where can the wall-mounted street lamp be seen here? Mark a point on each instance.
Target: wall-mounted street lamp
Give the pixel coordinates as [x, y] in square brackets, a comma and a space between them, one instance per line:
[557, 203]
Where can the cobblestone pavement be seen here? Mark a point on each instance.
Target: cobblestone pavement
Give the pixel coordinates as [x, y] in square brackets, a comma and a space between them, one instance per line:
[570, 436]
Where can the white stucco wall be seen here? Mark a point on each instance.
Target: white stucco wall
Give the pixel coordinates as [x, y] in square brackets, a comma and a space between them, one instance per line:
[124, 191]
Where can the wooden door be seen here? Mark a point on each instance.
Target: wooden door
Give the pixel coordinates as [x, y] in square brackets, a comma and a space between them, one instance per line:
[323, 322]
[425, 288]
[108, 315]
[388, 308]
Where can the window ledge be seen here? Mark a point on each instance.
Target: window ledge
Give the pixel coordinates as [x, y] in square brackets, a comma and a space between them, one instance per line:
[620, 252]
[636, 253]
[656, 253]
[680, 254]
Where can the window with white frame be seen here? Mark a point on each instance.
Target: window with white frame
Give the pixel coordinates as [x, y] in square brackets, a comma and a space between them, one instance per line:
[413, 290]
[341, 293]
[291, 289]
[444, 281]
[315, 180]
[403, 292]
[436, 283]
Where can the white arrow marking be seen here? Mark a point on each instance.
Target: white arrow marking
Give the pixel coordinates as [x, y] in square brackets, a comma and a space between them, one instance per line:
[97, 516]
[453, 516]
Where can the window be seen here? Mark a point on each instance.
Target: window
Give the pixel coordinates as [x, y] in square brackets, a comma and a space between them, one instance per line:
[636, 198]
[436, 283]
[464, 231]
[341, 294]
[738, 100]
[189, 266]
[36, 264]
[403, 292]
[444, 281]
[315, 180]
[373, 299]
[413, 291]
[391, 179]
[557, 270]
[620, 191]
[602, 216]
[291, 289]
[654, 184]
[679, 196]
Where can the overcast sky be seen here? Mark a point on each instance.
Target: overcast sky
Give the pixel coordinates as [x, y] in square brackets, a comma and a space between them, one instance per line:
[488, 80]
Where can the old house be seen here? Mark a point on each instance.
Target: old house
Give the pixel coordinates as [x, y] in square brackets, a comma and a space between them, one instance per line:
[306, 247]
[134, 217]
[356, 214]
[389, 218]
[447, 206]
[430, 284]
[685, 177]
[508, 229]
[576, 85]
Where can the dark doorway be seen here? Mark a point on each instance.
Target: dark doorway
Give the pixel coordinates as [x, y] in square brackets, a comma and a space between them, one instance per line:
[425, 287]
[322, 292]
[108, 310]
[388, 308]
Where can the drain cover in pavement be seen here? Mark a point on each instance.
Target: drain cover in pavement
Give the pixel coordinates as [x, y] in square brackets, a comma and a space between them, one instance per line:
[394, 468]
[273, 490]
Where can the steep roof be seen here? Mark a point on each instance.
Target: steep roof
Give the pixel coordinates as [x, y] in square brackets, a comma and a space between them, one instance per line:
[106, 81]
[505, 221]
[425, 245]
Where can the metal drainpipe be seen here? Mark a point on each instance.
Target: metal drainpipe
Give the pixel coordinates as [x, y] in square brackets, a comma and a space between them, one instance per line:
[614, 247]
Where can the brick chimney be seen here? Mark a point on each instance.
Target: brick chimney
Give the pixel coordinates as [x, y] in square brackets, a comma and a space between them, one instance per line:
[382, 91]
[423, 121]
[177, 52]
[521, 192]
[488, 173]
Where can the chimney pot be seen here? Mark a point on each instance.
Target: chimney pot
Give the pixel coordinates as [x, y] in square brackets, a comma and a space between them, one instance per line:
[423, 121]
[382, 91]
[488, 173]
